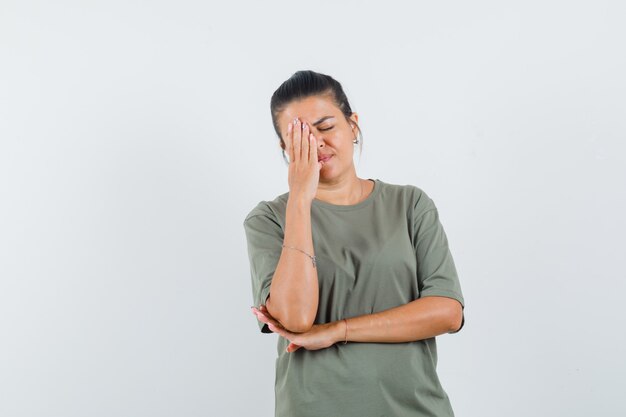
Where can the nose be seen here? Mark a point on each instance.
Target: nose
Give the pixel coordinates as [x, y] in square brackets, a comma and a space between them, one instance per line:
[319, 139]
[317, 133]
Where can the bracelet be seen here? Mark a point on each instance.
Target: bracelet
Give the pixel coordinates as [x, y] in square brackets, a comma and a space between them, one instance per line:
[346, 331]
[312, 257]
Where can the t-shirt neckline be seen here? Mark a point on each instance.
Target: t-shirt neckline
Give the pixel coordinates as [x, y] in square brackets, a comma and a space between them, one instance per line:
[338, 207]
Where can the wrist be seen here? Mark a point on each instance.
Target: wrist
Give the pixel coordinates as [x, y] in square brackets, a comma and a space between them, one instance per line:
[299, 201]
[339, 331]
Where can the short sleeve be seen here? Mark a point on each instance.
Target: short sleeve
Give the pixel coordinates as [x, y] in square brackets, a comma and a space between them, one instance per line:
[436, 271]
[264, 238]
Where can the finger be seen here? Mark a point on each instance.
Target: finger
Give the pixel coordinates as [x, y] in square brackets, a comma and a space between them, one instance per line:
[305, 142]
[292, 347]
[275, 329]
[257, 313]
[284, 333]
[289, 141]
[297, 139]
[263, 316]
[265, 319]
[263, 310]
[312, 148]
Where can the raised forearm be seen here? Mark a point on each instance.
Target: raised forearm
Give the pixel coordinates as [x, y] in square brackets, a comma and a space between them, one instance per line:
[419, 319]
[294, 292]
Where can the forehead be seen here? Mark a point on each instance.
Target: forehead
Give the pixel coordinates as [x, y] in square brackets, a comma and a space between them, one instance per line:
[310, 109]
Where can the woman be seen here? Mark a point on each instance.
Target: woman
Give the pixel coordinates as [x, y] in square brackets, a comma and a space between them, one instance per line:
[355, 275]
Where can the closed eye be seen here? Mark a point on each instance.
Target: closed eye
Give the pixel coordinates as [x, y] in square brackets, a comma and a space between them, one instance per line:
[328, 128]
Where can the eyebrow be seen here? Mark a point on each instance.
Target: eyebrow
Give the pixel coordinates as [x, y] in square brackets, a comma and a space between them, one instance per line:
[322, 119]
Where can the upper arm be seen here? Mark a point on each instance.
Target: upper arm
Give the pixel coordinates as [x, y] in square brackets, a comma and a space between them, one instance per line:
[436, 270]
[264, 238]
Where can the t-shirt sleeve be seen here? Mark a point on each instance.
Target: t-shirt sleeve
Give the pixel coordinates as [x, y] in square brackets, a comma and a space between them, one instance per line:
[436, 271]
[264, 238]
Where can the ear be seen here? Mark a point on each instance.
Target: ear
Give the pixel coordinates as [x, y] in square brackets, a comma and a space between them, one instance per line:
[354, 117]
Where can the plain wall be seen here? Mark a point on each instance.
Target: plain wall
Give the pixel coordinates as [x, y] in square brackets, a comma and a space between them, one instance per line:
[135, 137]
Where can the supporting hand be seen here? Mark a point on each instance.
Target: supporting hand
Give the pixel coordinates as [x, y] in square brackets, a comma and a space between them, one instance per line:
[320, 336]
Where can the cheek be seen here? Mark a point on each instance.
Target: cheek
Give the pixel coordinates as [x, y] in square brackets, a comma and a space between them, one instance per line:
[336, 141]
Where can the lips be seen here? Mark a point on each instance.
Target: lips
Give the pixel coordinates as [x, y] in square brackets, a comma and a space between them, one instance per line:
[323, 158]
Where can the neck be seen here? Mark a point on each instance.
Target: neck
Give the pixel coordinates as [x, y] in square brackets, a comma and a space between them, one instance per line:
[343, 192]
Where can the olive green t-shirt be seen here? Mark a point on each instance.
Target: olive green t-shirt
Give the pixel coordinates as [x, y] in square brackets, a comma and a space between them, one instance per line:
[380, 253]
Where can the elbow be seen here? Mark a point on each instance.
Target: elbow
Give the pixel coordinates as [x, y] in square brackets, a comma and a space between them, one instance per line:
[456, 319]
[291, 321]
[299, 327]
[296, 324]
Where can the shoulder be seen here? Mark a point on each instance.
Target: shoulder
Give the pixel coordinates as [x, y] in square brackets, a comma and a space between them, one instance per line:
[272, 209]
[414, 197]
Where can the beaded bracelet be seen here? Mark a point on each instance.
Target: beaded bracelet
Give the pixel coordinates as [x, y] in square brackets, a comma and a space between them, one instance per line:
[312, 257]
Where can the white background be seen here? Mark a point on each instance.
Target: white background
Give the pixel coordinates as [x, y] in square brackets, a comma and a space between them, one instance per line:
[136, 135]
